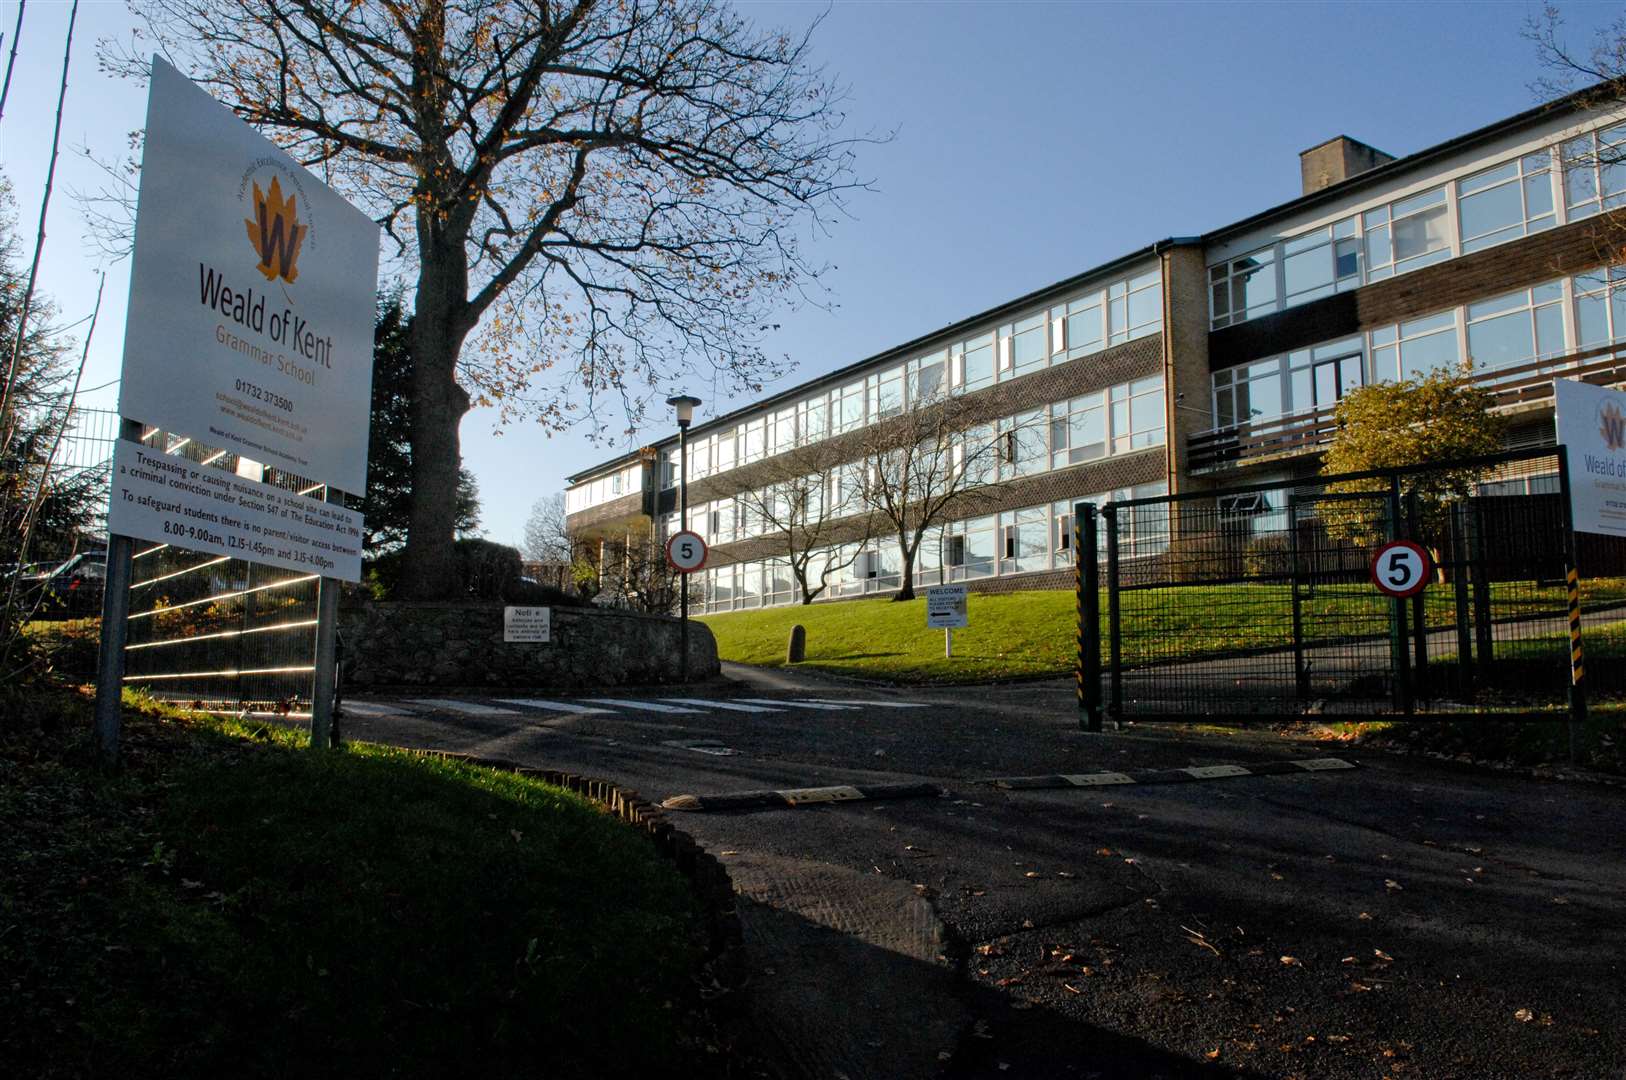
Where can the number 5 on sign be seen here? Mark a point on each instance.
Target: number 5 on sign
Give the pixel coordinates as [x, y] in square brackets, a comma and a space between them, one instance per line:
[1401, 568]
[686, 552]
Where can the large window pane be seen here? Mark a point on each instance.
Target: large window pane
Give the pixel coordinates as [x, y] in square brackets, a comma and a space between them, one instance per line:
[1501, 341]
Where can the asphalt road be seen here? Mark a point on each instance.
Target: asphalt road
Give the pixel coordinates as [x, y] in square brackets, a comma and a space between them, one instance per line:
[1404, 918]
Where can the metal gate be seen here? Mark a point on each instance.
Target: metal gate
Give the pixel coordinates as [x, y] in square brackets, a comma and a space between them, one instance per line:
[1258, 601]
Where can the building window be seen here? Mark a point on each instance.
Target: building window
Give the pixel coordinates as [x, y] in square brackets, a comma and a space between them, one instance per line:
[1137, 414]
[1064, 532]
[1595, 172]
[1026, 345]
[974, 363]
[1243, 288]
[885, 394]
[1079, 431]
[1516, 328]
[1319, 377]
[1025, 446]
[1418, 347]
[1407, 235]
[1600, 306]
[1248, 393]
[1504, 203]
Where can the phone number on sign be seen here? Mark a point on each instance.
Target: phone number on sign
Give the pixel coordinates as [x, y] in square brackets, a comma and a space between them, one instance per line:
[261, 394]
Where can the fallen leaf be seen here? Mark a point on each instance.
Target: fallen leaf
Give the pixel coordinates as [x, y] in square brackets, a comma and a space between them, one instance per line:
[1381, 955]
[1291, 961]
[1211, 1054]
[1392, 885]
[1524, 1016]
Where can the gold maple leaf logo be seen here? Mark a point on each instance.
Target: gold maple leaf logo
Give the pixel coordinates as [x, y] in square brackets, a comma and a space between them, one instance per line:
[275, 233]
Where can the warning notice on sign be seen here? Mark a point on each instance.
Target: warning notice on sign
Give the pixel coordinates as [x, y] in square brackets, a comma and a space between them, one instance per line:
[171, 500]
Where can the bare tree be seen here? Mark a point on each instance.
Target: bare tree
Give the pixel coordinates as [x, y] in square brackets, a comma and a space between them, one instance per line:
[547, 539]
[631, 572]
[805, 505]
[926, 463]
[597, 198]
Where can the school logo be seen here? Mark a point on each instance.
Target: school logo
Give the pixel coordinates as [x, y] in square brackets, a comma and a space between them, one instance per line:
[1612, 425]
[276, 232]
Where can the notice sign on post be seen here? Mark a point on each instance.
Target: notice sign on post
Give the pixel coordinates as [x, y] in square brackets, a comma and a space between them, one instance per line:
[1592, 424]
[171, 500]
[945, 607]
[527, 625]
[252, 294]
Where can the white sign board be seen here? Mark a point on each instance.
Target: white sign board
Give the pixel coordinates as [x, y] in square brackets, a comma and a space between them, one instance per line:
[1592, 423]
[945, 607]
[252, 294]
[533, 625]
[171, 500]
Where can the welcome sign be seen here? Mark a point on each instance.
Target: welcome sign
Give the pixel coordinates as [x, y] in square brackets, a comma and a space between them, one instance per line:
[252, 295]
[1592, 423]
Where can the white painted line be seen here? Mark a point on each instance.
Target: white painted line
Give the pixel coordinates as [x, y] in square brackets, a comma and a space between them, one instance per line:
[819, 794]
[558, 706]
[467, 708]
[876, 704]
[1214, 772]
[1099, 779]
[1323, 764]
[729, 705]
[374, 708]
[814, 705]
[645, 706]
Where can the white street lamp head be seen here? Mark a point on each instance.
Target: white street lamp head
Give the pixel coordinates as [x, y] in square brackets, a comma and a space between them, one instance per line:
[684, 404]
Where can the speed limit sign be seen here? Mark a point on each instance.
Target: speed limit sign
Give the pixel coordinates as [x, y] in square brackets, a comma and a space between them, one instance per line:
[686, 552]
[1401, 568]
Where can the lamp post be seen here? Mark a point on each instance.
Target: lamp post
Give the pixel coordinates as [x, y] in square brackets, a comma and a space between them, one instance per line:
[684, 404]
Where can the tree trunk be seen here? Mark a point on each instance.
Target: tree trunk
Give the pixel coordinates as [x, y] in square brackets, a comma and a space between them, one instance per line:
[906, 582]
[429, 570]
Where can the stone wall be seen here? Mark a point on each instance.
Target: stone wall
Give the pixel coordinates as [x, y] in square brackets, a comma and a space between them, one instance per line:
[415, 645]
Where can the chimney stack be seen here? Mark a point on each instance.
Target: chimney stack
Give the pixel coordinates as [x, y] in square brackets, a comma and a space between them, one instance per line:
[1337, 160]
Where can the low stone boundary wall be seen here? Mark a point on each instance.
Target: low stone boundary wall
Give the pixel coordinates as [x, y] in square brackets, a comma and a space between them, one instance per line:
[405, 644]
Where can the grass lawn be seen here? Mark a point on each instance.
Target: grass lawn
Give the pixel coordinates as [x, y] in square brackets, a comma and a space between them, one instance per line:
[1026, 634]
[232, 904]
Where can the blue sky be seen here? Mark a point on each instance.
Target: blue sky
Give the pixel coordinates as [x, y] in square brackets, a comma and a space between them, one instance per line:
[1033, 142]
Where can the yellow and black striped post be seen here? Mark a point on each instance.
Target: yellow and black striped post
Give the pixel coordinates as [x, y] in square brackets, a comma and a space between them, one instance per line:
[1088, 583]
[1577, 660]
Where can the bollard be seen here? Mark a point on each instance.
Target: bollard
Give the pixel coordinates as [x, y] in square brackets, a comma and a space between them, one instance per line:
[796, 651]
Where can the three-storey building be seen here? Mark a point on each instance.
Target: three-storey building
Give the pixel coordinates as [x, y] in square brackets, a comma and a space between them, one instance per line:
[1196, 362]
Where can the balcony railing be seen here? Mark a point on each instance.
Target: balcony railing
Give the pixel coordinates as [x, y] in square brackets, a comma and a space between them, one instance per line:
[1305, 432]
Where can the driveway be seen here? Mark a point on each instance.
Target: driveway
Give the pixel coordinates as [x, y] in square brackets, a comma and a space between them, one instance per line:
[1173, 918]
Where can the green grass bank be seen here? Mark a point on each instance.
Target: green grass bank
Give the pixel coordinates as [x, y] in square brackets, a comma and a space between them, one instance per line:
[233, 904]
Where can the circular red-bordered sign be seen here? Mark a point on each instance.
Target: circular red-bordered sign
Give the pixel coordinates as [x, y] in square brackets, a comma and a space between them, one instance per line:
[1401, 568]
[686, 551]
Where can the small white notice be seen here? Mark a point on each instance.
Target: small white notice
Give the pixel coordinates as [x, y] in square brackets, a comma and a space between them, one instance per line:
[172, 500]
[527, 625]
[945, 607]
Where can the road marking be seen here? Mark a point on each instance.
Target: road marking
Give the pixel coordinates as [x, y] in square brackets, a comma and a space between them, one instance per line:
[729, 705]
[373, 708]
[558, 706]
[645, 706]
[791, 797]
[839, 793]
[876, 704]
[1215, 772]
[715, 749]
[1099, 779]
[1323, 764]
[1167, 776]
[816, 706]
[467, 708]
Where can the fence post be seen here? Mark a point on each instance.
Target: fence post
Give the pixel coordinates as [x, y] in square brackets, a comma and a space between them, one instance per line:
[1572, 583]
[327, 628]
[1419, 612]
[1115, 637]
[1459, 587]
[1089, 617]
[115, 628]
[1301, 671]
[1484, 639]
[1397, 614]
